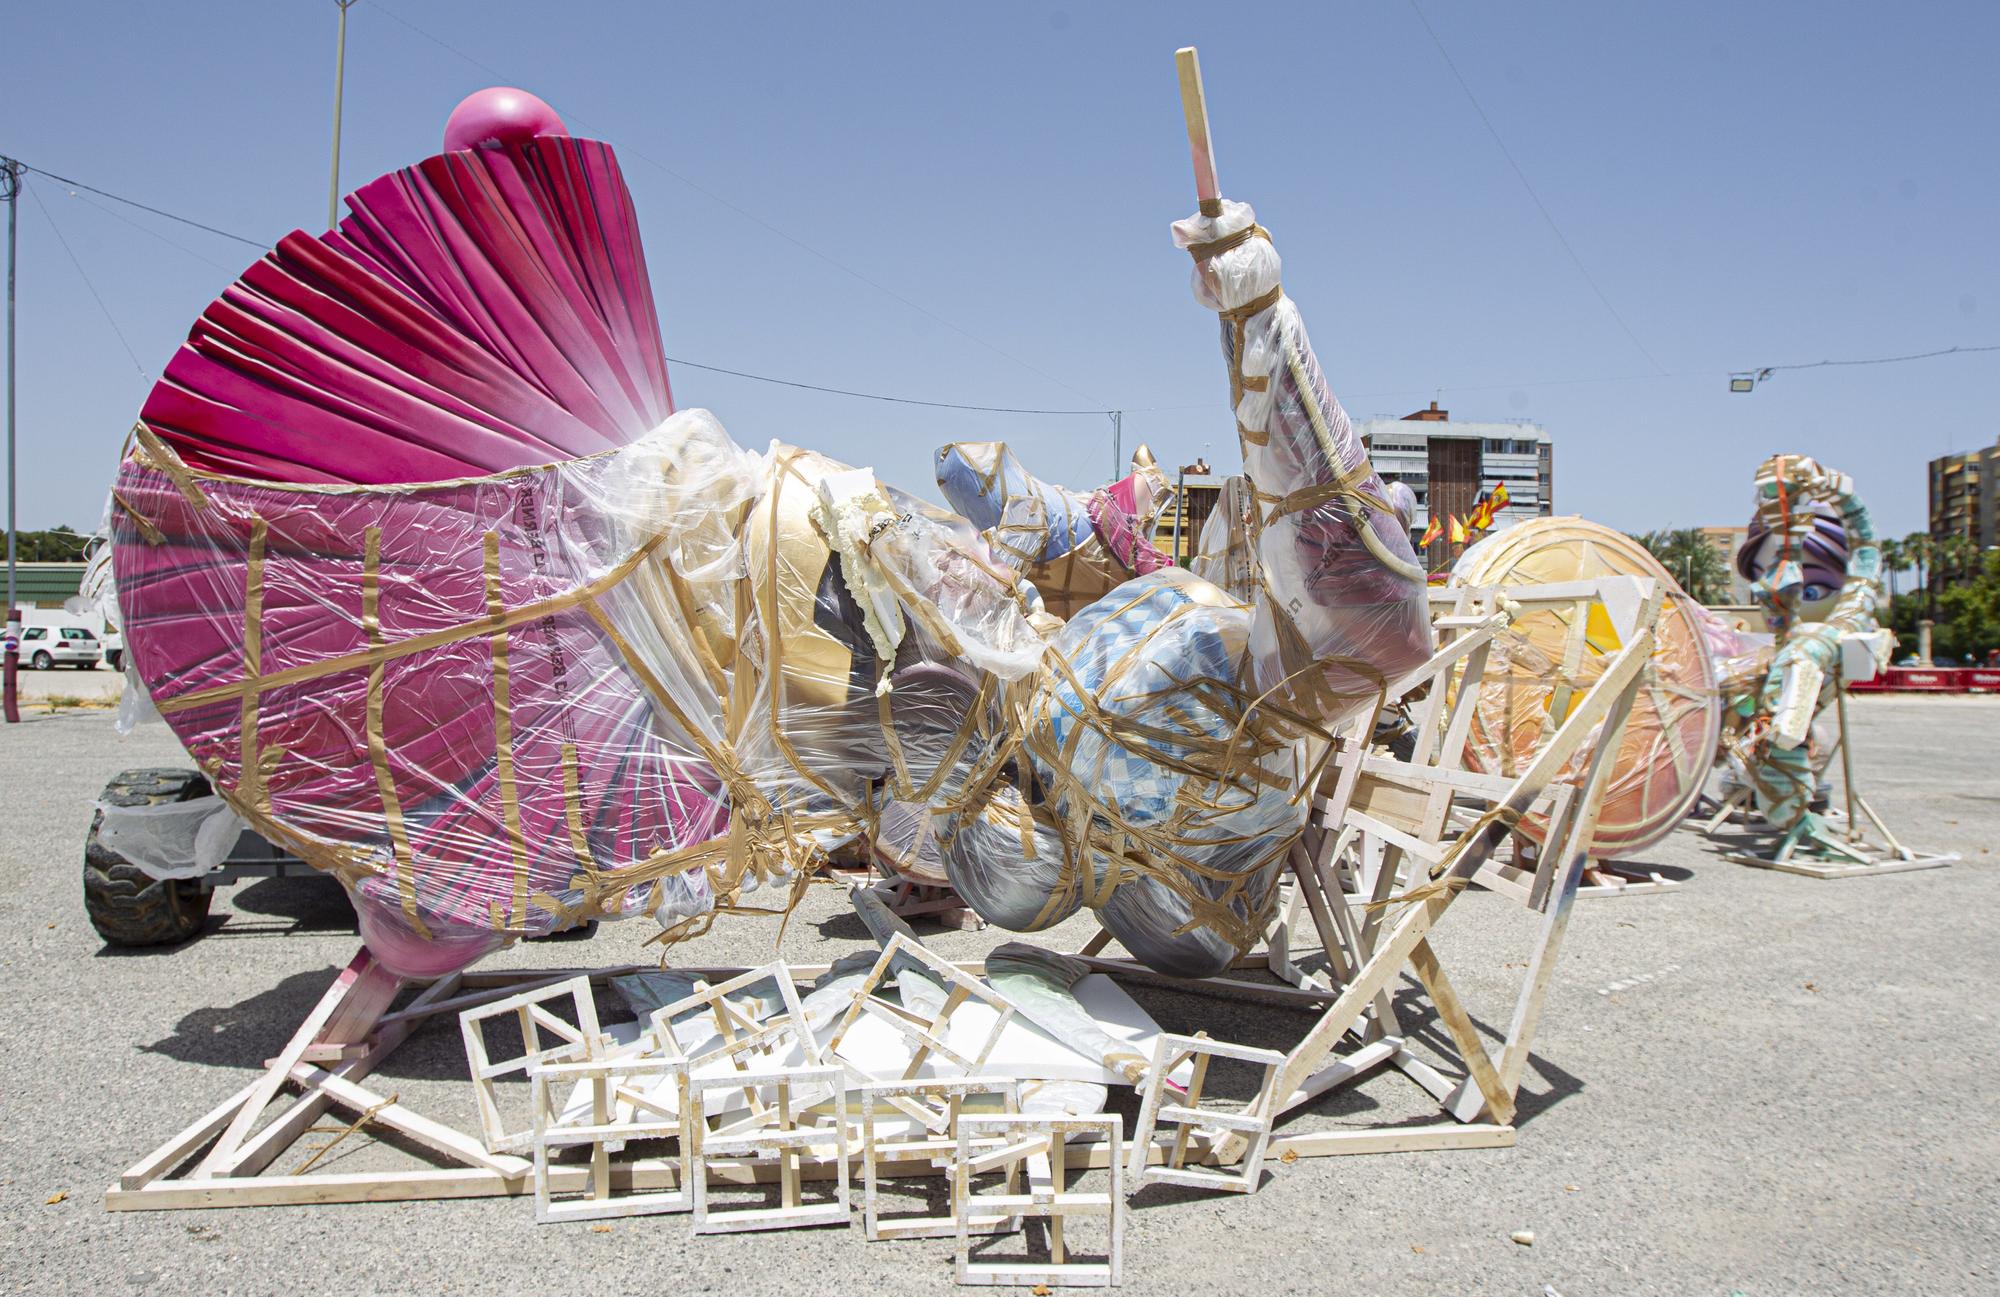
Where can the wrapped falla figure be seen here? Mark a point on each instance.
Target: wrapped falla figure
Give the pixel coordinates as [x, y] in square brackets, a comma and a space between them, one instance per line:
[419, 561]
[1812, 561]
[1072, 547]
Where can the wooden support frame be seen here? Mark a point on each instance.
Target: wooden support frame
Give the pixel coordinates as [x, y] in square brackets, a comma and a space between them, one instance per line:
[1408, 833]
[573, 1043]
[1191, 1119]
[944, 1099]
[1043, 1143]
[783, 1131]
[913, 898]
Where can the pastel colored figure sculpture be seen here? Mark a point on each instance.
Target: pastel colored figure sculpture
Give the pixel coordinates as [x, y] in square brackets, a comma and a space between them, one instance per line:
[1811, 557]
[1072, 546]
[421, 565]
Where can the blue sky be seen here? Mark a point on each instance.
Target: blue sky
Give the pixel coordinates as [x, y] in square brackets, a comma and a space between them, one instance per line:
[969, 203]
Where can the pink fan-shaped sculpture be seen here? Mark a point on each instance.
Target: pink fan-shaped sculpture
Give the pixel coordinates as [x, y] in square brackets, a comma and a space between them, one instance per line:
[420, 687]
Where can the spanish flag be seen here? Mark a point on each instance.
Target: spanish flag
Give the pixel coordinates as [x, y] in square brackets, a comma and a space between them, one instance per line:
[1499, 498]
[1457, 530]
[1431, 533]
[1480, 518]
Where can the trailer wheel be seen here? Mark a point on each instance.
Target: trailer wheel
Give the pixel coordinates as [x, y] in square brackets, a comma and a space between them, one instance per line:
[127, 907]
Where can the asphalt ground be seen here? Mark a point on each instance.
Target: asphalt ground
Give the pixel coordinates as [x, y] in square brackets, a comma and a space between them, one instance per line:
[1757, 1083]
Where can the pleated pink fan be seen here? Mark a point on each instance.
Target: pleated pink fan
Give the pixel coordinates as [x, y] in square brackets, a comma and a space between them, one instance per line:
[417, 686]
[483, 310]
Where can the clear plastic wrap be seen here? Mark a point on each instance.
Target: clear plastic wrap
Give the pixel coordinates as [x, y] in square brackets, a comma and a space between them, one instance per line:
[669, 672]
[1140, 776]
[1670, 738]
[647, 681]
[1073, 546]
[1341, 606]
[1225, 555]
[174, 840]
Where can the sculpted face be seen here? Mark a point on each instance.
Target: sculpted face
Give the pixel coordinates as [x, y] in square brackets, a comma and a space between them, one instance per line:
[1807, 581]
[1811, 588]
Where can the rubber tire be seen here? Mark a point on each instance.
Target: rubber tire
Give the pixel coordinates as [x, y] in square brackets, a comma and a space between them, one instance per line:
[127, 907]
[42, 661]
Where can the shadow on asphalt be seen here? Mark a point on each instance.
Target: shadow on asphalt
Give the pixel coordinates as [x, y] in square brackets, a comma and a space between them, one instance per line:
[288, 905]
[246, 1033]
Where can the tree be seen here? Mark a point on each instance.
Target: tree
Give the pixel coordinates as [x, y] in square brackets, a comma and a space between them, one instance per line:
[1919, 549]
[1692, 560]
[1969, 621]
[1893, 561]
[1957, 557]
[56, 545]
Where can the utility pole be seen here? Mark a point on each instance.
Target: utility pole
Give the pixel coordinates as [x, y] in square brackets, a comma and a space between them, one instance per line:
[11, 171]
[1180, 512]
[339, 80]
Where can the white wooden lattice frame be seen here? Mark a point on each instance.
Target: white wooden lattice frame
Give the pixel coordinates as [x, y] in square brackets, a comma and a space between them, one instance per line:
[928, 1036]
[574, 1043]
[1190, 1120]
[621, 1111]
[765, 1041]
[783, 1132]
[1042, 1143]
[943, 1098]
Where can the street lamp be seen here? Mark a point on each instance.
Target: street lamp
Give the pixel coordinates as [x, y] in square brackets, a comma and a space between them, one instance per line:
[10, 192]
[339, 81]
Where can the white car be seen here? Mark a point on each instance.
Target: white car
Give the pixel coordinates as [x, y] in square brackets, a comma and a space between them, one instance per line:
[43, 647]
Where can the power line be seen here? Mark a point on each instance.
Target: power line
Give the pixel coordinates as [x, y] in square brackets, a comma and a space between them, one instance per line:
[1762, 370]
[1540, 206]
[1878, 360]
[95, 295]
[755, 219]
[874, 396]
[717, 369]
[172, 243]
[144, 207]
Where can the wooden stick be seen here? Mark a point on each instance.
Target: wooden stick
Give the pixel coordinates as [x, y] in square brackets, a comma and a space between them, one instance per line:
[1194, 106]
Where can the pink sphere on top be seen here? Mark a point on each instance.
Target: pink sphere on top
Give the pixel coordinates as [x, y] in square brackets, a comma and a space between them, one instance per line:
[499, 115]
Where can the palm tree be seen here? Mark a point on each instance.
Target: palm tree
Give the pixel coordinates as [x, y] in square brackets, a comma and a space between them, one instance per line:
[1955, 556]
[1919, 549]
[1692, 560]
[1893, 561]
